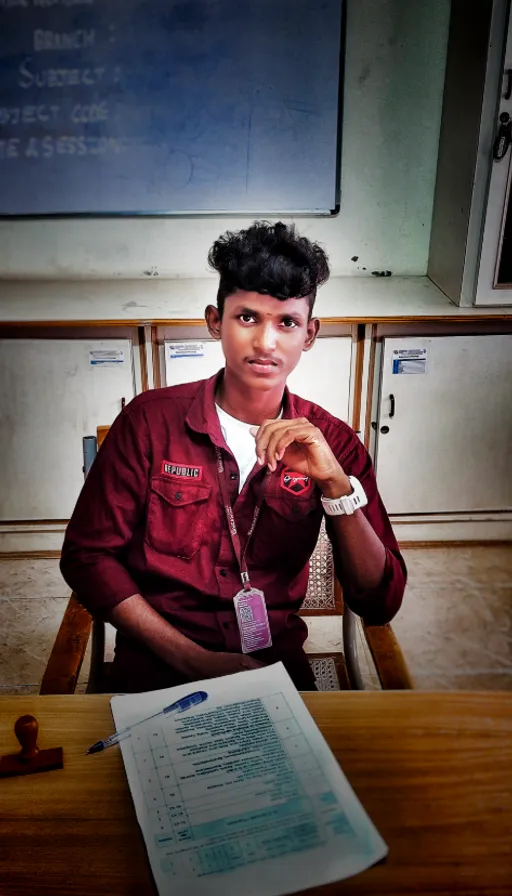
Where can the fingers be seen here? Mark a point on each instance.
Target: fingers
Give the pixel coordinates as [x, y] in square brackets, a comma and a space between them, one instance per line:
[277, 445]
[274, 436]
[262, 436]
[281, 440]
[246, 663]
[252, 664]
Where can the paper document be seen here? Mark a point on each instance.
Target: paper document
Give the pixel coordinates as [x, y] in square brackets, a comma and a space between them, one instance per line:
[241, 794]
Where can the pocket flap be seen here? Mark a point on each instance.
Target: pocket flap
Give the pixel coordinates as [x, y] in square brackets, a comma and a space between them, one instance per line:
[180, 493]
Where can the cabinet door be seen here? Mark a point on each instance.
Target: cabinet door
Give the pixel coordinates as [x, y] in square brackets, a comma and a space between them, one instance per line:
[322, 375]
[494, 286]
[53, 393]
[449, 437]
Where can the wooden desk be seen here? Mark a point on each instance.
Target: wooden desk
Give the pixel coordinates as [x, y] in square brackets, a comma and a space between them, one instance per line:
[434, 772]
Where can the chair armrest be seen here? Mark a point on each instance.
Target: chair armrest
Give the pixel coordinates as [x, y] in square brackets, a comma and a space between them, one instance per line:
[388, 658]
[68, 651]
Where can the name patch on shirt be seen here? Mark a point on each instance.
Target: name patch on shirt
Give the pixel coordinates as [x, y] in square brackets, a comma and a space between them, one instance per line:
[294, 482]
[181, 471]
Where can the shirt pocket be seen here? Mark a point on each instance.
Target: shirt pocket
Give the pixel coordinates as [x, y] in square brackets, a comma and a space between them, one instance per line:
[288, 530]
[177, 516]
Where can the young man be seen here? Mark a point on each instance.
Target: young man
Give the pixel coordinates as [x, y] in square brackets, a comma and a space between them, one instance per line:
[194, 529]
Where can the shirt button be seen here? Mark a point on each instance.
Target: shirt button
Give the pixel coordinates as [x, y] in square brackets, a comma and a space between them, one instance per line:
[223, 573]
[225, 625]
[233, 475]
[178, 496]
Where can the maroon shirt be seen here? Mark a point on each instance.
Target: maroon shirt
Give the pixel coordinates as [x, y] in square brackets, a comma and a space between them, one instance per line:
[150, 520]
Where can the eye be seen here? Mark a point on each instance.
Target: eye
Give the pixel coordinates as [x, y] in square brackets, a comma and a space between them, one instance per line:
[289, 323]
[246, 318]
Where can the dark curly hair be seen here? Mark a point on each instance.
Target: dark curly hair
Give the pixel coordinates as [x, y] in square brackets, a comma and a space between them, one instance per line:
[271, 259]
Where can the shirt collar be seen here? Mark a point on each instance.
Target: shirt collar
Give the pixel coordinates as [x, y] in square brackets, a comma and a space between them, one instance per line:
[202, 416]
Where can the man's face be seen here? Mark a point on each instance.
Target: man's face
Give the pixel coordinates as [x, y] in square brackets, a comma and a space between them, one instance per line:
[262, 337]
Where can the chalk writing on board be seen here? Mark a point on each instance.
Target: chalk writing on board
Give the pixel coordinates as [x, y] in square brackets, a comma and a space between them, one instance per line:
[70, 40]
[81, 113]
[58, 77]
[47, 147]
[23, 115]
[49, 3]
[43, 4]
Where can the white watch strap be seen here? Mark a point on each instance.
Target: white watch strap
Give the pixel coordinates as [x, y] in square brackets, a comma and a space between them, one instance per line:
[347, 504]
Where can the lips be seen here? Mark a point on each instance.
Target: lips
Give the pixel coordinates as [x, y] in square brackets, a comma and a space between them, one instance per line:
[263, 366]
[263, 362]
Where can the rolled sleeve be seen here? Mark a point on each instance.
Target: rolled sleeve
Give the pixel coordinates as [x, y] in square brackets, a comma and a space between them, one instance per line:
[381, 604]
[378, 605]
[109, 507]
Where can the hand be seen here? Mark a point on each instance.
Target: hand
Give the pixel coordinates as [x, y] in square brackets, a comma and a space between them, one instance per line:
[210, 664]
[303, 448]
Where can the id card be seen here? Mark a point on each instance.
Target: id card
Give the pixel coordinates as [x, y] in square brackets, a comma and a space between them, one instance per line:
[251, 615]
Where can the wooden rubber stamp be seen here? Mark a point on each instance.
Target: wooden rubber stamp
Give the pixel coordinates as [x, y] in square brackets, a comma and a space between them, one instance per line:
[30, 759]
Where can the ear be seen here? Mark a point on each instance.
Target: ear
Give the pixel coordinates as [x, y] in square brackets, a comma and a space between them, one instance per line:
[213, 321]
[312, 333]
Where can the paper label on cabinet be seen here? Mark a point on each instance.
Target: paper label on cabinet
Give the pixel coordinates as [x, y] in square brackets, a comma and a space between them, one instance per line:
[409, 360]
[106, 357]
[185, 350]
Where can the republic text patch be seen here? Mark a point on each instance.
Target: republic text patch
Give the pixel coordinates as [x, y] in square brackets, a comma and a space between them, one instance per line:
[181, 471]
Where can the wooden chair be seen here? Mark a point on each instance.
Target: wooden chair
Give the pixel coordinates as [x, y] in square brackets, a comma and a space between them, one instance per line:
[324, 597]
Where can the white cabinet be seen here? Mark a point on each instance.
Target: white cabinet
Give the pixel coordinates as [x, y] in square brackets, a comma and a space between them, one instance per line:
[444, 436]
[322, 375]
[471, 238]
[53, 393]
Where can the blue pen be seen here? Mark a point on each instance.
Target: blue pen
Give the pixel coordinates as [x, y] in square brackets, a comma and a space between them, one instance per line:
[180, 706]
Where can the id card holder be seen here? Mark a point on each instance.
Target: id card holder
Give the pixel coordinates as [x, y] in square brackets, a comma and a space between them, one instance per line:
[251, 615]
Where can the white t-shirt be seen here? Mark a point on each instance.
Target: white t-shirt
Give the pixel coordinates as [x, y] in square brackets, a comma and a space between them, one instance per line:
[239, 441]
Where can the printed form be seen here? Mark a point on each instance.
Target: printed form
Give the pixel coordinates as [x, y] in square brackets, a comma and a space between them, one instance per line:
[241, 791]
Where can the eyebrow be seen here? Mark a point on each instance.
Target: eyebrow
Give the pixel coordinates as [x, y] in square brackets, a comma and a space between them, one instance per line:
[288, 315]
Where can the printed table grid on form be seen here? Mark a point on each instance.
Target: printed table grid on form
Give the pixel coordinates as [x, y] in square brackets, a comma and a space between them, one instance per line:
[199, 774]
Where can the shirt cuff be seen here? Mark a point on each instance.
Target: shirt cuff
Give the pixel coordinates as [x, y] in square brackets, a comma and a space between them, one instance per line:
[378, 606]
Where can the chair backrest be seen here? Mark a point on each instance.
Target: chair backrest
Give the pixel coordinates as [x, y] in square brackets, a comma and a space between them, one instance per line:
[101, 432]
[324, 596]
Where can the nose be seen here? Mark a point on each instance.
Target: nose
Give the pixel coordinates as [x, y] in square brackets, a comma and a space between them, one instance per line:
[265, 339]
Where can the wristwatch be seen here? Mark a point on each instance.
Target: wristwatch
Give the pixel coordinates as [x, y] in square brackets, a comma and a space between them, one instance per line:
[347, 504]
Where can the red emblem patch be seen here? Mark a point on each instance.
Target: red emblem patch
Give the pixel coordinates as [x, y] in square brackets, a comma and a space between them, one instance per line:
[294, 482]
[181, 471]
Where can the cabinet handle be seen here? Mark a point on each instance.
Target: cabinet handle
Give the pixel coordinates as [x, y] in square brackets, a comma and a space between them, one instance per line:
[503, 138]
[508, 81]
[391, 406]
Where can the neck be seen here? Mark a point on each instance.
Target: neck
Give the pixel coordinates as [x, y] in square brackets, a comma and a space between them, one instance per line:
[253, 408]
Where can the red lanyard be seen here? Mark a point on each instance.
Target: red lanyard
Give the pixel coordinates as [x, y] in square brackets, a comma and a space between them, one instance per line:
[233, 531]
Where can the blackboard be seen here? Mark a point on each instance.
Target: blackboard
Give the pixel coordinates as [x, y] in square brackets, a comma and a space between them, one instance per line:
[169, 106]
